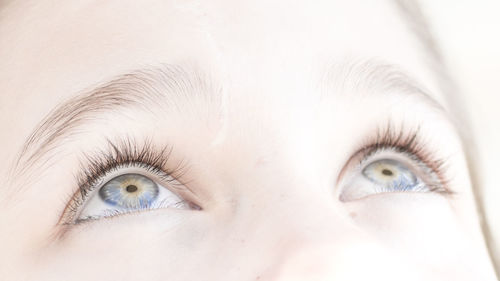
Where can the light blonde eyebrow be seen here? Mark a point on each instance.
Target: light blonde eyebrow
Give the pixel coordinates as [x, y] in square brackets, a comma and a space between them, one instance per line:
[375, 77]
[166, 85]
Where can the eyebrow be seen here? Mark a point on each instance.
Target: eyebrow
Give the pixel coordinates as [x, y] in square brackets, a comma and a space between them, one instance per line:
[166, 85]
[172, 85]
[374, 77]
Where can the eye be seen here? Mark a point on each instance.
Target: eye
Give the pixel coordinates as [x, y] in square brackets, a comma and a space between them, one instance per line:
[125, 177]
[128, 193]
[388, 175]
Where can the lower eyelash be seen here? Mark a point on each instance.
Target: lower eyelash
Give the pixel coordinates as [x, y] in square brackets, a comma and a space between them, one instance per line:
[126, 153]
[117, 212]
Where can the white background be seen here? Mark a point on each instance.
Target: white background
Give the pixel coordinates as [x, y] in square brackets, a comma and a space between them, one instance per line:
[469, 34]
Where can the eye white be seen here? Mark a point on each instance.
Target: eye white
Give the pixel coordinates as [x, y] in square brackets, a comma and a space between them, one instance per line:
[127, 193]
[381, 176]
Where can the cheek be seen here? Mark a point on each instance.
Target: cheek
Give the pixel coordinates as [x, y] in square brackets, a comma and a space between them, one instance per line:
[420, 228]
[157, 245]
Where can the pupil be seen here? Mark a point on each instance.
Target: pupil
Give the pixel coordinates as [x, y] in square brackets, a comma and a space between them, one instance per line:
[131, 188]
[387, 172]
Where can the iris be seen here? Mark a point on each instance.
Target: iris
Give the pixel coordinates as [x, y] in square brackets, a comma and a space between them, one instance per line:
[391, 175]
[131, 191]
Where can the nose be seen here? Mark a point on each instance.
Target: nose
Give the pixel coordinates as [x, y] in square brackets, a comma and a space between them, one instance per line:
[316, 242]
[351, 261]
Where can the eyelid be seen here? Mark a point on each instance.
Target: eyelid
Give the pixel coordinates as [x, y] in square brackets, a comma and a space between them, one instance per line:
[406, 145]
[99, 167]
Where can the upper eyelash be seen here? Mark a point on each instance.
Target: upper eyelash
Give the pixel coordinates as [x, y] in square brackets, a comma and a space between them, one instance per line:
[124, 153]
[408, 142]
[127, 153]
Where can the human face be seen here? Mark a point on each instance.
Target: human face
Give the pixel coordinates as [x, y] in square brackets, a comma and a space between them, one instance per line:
[306, 141]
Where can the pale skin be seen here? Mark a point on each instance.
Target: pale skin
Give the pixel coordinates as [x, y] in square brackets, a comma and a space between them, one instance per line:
[273, 106]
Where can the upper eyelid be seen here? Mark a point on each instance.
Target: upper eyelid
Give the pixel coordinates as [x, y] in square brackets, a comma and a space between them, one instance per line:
[123, 153]
[119, 170]
[404, 140]
[126, 151]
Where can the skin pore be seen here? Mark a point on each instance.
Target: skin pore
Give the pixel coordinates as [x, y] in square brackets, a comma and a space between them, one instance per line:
[263, 116]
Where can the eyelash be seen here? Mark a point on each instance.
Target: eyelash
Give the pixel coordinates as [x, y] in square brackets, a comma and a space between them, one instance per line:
[127, 153]
[124, 154]
[410, 144]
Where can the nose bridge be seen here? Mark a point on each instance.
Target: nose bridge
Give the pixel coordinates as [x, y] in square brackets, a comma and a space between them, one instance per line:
[296, 236]
[308, 249]
[310, 239]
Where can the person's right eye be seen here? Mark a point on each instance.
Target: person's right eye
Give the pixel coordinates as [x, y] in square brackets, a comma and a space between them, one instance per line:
[129, 193]
[126, 179]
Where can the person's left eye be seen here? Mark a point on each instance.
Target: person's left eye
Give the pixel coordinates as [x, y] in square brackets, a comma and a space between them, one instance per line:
[386, 175]
[127, 193]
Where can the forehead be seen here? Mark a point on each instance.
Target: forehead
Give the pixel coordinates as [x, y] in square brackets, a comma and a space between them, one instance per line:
[50, 52]
[88, 41]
